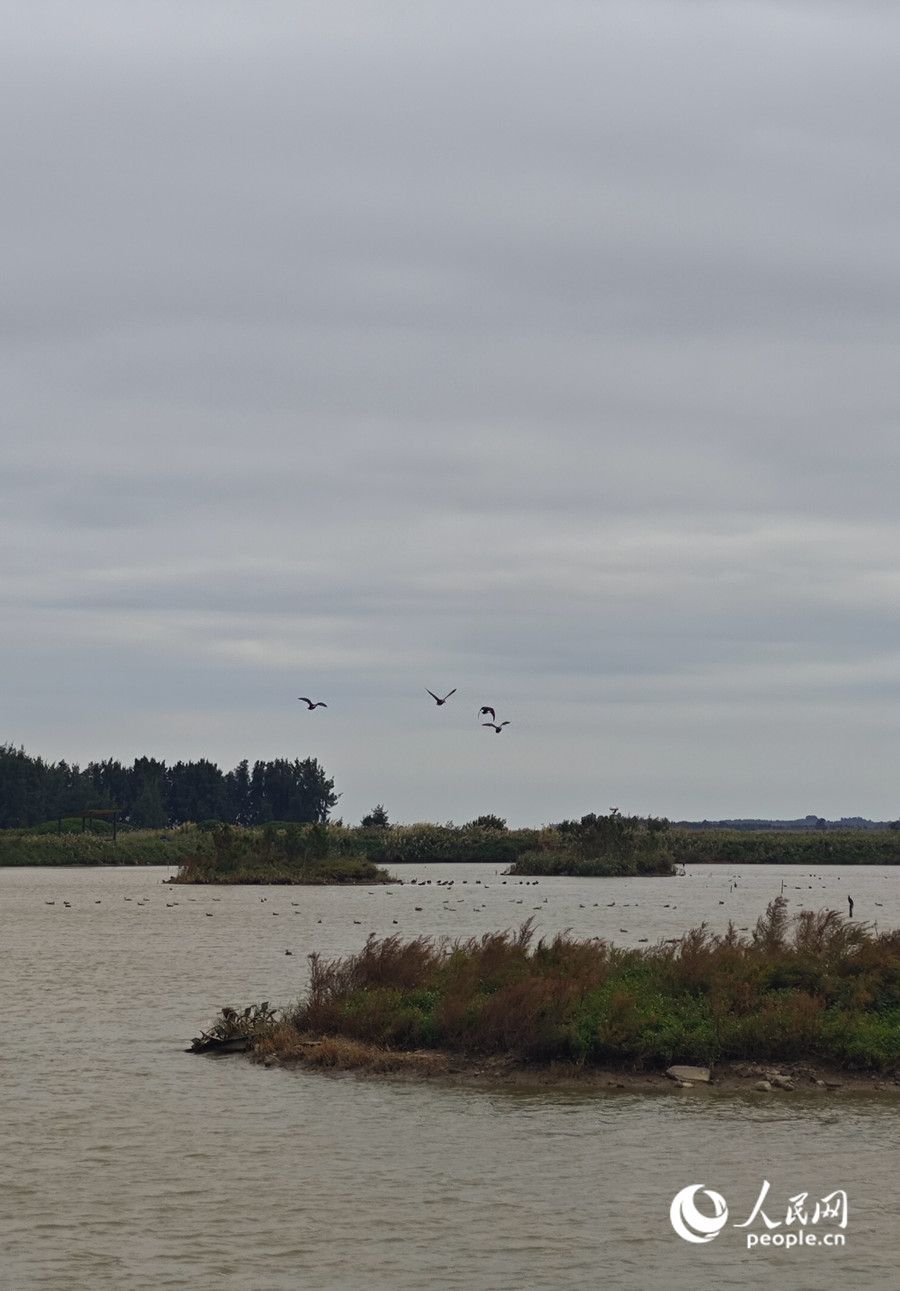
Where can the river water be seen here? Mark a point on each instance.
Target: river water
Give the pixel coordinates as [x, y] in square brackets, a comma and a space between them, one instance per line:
[129, 1164]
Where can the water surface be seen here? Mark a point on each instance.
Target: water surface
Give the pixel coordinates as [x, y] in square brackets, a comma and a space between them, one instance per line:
[129, 1164]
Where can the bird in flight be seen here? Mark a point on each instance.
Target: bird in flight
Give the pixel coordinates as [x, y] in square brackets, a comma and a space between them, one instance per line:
[497, 728]
[310, 705]
[487, 709]
[446, 697]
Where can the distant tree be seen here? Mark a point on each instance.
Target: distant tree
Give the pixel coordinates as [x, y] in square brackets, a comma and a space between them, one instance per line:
[487, 822]
[116, 785]
[377, 817]
[195, 791]
[150, 794]
[33, 791]
[149, 810]
[294, 791]
[22, 788]
[237, 790]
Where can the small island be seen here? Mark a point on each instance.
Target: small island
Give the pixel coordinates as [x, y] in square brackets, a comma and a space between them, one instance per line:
[288, 852]
[798, 999]
[280, 853]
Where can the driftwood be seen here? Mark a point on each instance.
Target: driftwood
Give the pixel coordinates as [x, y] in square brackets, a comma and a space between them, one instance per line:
[233, 1032]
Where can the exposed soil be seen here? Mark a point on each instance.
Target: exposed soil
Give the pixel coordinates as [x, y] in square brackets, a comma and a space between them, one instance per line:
[336, 1054]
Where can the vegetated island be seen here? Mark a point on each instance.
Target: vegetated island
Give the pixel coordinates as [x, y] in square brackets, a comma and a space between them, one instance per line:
[284, 852]
[281, 853]
[788, 1006]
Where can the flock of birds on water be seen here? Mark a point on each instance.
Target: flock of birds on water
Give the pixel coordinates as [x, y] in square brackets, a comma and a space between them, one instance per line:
[482, 712]
[450, 904]
[408, 882]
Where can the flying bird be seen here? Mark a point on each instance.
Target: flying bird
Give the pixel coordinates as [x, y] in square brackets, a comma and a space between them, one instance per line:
[497, 728]
[487, 709]
[310, 705]
[441, 701]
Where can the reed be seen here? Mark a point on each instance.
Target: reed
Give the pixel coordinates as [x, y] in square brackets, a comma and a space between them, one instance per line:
[816, 986]
[785, 847]
[424, 842]
[136, 847]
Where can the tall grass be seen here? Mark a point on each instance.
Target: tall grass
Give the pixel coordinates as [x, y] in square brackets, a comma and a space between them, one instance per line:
[136, 847]
[424, 842]
[817, 987]
[785, 847]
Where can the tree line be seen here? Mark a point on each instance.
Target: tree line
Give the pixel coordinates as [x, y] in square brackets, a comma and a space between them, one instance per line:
[153, 795]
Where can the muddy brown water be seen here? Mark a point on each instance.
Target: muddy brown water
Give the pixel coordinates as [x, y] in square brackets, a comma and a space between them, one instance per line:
[128, 1164]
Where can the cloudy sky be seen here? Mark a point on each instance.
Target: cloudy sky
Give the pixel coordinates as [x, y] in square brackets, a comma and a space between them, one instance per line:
[548, 351]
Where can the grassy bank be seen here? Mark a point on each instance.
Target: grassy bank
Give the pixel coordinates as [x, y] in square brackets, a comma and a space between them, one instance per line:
[816, 988]
[622, 845]
[787, 847]
[449, 844]
[279, 853]
[614, 844]
[136, 847]
[287, 852]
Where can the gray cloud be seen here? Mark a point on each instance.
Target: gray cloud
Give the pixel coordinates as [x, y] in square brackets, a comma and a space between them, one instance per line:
[546, 352]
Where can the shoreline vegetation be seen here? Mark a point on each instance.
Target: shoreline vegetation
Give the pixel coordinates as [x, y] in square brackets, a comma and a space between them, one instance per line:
[96, 847]
[285, 851]
[281, 853]
[815, 993]
[788, 847]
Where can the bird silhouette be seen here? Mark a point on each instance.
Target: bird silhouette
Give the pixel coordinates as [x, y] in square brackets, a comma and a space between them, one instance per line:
[497, 728]
[320, 704]
[487, 709]
[441, 701]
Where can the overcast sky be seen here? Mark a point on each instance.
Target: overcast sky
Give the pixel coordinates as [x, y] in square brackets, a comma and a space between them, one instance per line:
[543, 349]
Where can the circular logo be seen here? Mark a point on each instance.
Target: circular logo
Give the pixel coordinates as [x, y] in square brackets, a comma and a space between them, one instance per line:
[687, 1219]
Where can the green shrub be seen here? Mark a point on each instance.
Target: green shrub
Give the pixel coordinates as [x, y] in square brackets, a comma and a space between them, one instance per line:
[767, 997]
